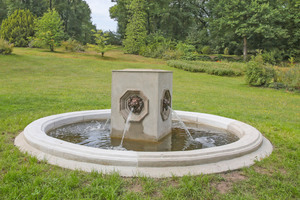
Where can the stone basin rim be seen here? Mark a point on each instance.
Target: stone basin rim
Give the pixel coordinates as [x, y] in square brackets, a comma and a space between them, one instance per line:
[250, 147]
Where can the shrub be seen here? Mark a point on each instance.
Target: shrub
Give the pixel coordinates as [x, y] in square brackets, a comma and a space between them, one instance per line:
[171, 55]
[218, 58]
[157, 46]
[273, 57]
[292, 78]
[206, 50]
[258, 74]
[232, 59]
[226, 51]
[204, 58]
[185, 48]
[238, 52]
[35, 43]
[5, 47]
[18, 27]
[190, 56]
[291, 61]
[187, 51]
[73, 45]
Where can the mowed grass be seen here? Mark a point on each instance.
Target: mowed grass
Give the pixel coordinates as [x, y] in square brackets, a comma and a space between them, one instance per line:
[36, 83]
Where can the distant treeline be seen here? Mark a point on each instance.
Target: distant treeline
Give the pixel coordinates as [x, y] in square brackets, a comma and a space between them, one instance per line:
[239, 26]
[75, 14]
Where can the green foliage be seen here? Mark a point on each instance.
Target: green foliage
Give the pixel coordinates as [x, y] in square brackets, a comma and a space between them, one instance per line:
[259, 74]
[288, 78]
[204, 58]
[242, 26]
[292, 78]
[36, 7]
[35, 43]
[120, 13]
[260, 23]
[187, 51]
[292, 61]
[156, 46]
[198, 37]
[101, 41]
[272, 57]
[76, 17]
[171, 17]
[3, 10]
[226, 51]
[171, 55]
[206, 50]
[219, 69]
[18, 27]
[5, 47]
[49, 29]
[113, 38]
[136, 32]
[72, 45]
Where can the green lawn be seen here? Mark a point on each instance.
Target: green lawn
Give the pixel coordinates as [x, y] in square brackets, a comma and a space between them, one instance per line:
[36, 83]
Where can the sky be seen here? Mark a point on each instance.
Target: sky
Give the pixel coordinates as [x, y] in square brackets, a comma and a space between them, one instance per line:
[100, 14]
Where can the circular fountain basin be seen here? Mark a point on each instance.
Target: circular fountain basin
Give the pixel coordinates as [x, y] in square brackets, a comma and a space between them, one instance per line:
[251, 147]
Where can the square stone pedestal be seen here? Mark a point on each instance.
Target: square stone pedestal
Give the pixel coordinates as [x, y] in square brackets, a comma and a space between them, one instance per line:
[148, 94]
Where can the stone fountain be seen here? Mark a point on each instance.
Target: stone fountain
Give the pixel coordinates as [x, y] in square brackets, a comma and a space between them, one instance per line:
[143, 99]
[148, 94]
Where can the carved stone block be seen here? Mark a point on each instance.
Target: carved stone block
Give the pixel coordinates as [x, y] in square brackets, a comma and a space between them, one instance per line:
[148, 93]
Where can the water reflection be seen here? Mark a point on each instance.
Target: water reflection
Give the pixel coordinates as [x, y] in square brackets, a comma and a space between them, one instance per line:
[97, 134]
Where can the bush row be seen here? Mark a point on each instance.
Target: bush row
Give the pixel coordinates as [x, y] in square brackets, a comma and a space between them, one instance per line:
[219, 69]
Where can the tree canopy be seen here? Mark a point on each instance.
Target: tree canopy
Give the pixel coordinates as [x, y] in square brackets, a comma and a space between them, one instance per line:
[18, 27]
[49, 29]
[238, 25]
[101, 42]
[76, 15]
[136, 33]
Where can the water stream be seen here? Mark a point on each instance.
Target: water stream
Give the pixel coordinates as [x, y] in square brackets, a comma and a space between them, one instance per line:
[126, 127]
[182, 124]
[105, 126]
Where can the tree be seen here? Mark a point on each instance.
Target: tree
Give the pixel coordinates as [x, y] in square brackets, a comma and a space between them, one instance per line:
[136, 32]
[119, 12]
[76, 16]
[49, 29]
[3, 10]
[113, 38]
[171, 18]
[290, 9]
[37, 7]
[18, 27]
[248, 20]
[101, 41]
[240, 25]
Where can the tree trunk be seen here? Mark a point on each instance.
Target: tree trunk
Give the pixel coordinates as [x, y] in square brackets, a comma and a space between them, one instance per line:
[245, 48]
[102, 54]
[51, 47]
[50, 4]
